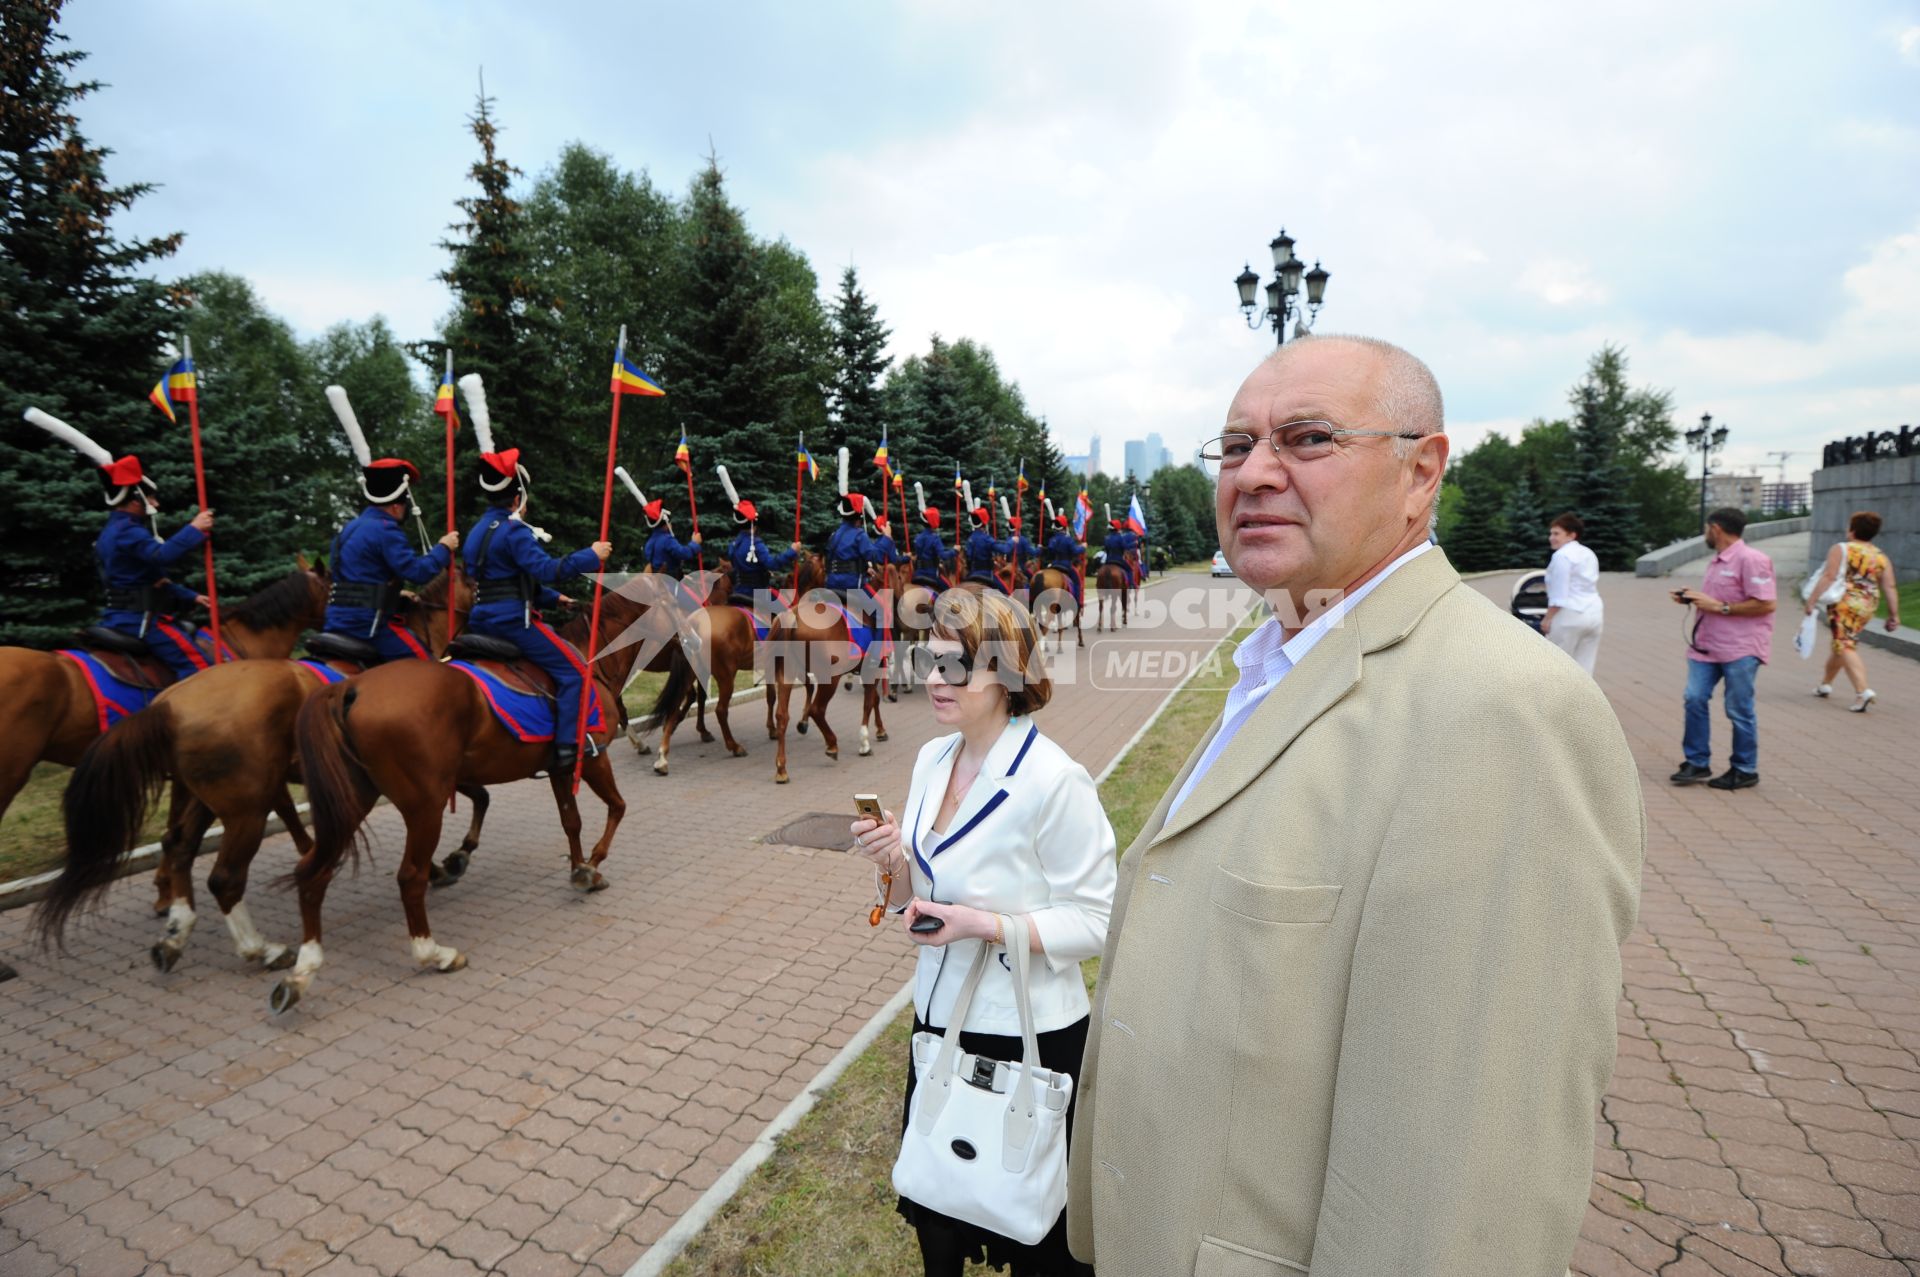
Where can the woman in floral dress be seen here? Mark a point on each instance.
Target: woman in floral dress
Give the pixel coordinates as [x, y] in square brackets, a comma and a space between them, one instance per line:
[1868, 572]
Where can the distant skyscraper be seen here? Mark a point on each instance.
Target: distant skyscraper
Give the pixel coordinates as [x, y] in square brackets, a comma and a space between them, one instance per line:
[1093, 456]
[1166, 458]
[1077, 463]
[1155, 456]
[1136, 458]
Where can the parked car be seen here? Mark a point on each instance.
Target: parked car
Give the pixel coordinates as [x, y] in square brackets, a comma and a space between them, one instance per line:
[1220, 567]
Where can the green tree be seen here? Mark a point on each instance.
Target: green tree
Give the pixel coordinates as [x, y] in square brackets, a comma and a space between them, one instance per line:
[1635, 430]
[1478, 539]
[1181, 514]
[1526, 525]
[1601, 485]
[82, 331]
[855, 396]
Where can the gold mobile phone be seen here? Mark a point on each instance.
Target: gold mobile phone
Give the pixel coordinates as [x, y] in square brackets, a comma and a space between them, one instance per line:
[868, 805]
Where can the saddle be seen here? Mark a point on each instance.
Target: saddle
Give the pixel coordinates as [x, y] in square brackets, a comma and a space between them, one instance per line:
[126, 657]
[325, 647]
[512, 664]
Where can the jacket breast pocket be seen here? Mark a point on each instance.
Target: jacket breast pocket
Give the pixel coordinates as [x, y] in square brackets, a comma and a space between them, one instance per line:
[1224, 1259]
[1264, 902]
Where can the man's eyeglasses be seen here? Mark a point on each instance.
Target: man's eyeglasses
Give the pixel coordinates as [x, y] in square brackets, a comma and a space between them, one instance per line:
[1295, 441]
[955, 668]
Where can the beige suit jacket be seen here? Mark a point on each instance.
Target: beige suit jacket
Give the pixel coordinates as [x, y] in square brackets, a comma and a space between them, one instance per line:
[1356, 1005]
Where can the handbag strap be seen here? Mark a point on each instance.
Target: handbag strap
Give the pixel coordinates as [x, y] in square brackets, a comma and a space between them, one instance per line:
[931, 1097]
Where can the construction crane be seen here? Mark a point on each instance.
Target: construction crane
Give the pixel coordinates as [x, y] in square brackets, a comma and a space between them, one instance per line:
[1782, 458]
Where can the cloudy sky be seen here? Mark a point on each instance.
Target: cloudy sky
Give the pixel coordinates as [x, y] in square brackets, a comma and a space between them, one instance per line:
[1729, 190]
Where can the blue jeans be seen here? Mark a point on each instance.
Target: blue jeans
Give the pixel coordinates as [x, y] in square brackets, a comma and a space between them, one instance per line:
[1698, 741]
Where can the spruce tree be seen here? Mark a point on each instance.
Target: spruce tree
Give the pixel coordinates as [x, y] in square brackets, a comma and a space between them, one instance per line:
[854, 398]
[82, 333]
[1600, 485]
[1526, 525]
[1478, 541]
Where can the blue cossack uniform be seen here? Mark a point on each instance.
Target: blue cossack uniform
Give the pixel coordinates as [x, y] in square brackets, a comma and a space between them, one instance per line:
[982, 545]
[371, 558]
[133, 562]
[512, 578]
[849, 551]
[1062, 549]
[929, 555]
[754, 566]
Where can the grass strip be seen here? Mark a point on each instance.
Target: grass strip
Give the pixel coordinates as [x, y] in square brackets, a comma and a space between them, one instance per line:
[822, 1205]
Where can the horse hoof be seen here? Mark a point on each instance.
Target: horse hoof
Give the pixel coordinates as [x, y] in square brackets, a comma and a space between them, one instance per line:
[659, 766]
[599, 884]
[164, 959]
[642, 748]
[779, 778]
[456, 866]
[706, 738]
[803, 727]
[880, 736]
[582, 878]
[279, 962]
[459, 963]
[738, 751]
[160, 908]
[437, 877]
[864, 751]
[283, 998]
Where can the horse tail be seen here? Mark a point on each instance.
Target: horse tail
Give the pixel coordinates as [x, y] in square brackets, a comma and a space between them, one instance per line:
[677, 690]
[339, 791]
[106, 807]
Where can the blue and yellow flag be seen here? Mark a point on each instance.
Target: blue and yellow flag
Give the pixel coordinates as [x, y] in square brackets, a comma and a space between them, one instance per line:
[178, 386]
[807, 465]
[682, 457]
[628, 380]
[443, 398]
[880, 455]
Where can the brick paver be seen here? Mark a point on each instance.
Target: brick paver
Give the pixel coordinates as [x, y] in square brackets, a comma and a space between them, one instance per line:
[1764, 1115]
[554, 1107]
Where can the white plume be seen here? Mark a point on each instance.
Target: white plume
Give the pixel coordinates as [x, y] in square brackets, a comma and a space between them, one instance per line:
[843, 472]
[920, 495]
[1109, 512]
[72, 438]
[726, 481]
[1048, 502]
[475, 394]
[632, 487]
[356, 439]
[966, 486]
[1005, 516]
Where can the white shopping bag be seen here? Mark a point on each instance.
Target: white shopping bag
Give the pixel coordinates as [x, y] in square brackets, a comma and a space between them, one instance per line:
[1805, 637]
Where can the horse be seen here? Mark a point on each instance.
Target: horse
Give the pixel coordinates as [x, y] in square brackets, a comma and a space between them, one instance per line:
[225, 737]
[51, 711]
[811, 644]
[416, 731]
[716, 642]
[1050, 599]
[1113, 584]
[912, 625]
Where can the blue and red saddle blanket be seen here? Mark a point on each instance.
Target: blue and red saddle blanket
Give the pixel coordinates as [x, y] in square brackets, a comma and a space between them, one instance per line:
[113, 697]
[527, 716]
[327, 673]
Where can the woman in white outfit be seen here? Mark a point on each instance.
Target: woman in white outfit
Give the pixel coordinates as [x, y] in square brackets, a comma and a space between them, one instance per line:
[1574, 612]
[999, 821]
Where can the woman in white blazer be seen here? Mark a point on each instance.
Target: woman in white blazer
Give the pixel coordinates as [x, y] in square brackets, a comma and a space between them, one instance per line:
[998, 820]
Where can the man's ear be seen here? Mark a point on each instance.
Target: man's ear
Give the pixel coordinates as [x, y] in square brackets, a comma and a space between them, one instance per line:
[1429, 471]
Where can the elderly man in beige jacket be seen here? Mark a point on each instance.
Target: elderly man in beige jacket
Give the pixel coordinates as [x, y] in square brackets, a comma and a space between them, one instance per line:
[1357, 1002]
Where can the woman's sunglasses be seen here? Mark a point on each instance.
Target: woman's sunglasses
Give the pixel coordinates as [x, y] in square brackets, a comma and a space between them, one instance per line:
[955, 668]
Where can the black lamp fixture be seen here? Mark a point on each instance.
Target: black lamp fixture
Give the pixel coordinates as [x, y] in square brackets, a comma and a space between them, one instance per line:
[1708, 438]
[1283, 291]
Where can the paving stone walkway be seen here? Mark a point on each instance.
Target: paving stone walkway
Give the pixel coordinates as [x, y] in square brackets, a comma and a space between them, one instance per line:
[551, 1109]
[555, 1107]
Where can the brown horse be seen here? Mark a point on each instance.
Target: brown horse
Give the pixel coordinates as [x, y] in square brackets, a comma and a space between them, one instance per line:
[912, 626]
[810, 644]
[1113, 586]
[415, 732]
[1050, 599]
[50, 709]
[225, 736]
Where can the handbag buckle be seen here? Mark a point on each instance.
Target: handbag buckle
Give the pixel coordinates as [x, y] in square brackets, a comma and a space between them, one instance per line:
[983, 1071]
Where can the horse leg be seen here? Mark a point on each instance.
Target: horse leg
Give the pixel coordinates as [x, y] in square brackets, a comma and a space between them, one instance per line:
[239, 843]
[700, 711]
[289, 813]
[311, 880]
[178, 801]
[668, 721]
[423, 816]
[177, 849]
[817, 711]
[569, 810]
[450, 870]
[780, 732]
[723, 702]
[771, 734]
[598, 773]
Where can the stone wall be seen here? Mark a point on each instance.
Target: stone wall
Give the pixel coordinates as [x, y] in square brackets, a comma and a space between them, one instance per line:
[1888, 486]
[1668, 557]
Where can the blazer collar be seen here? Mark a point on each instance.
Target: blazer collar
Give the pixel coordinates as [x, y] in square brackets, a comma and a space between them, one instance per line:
[1001, 759]
[1324, 676]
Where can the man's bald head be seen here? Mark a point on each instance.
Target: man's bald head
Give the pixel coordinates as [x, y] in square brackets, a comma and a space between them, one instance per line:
[1406, 396]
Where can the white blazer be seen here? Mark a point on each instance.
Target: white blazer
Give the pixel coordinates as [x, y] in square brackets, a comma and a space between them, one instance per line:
[1030, 837]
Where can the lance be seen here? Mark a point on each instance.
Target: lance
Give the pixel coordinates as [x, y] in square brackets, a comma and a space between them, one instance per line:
[200, 486]
[906, 529]
[453, 557]
[693, 512]
[600, 574]
[957, 481]
[799, 491]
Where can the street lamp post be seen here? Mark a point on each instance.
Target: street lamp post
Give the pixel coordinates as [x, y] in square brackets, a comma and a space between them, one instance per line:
[1283, 291]
[1707, 437]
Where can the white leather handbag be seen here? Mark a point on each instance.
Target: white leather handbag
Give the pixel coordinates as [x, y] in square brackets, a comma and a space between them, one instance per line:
[987, 1140]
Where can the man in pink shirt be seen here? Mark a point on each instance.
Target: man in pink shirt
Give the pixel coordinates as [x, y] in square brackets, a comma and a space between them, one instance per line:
[1732, 636]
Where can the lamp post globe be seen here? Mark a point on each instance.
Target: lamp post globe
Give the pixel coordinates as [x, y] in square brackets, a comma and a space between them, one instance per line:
[1283, 291]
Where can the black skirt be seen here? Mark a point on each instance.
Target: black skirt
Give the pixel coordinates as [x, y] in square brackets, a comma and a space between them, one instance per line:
[946, 1243]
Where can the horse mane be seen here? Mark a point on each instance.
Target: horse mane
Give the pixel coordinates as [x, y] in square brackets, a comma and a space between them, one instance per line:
[282, 603]
[433, 595]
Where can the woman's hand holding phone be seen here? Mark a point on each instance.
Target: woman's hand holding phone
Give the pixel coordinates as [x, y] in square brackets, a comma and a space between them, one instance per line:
[957, 922]
[879, 841]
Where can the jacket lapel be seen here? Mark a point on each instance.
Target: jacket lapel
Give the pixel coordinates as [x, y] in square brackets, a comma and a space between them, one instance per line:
[1322, 678]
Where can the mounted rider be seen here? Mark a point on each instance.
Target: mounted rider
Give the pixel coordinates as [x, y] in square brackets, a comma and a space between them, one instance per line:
[666, 553]
[982, 545]
[513, 577]
[931, 554]
[1063, 551]
[850, 551]
[371, 557]
[1122, 546]
[134, 560]
[1025, 552]
[753, 565]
